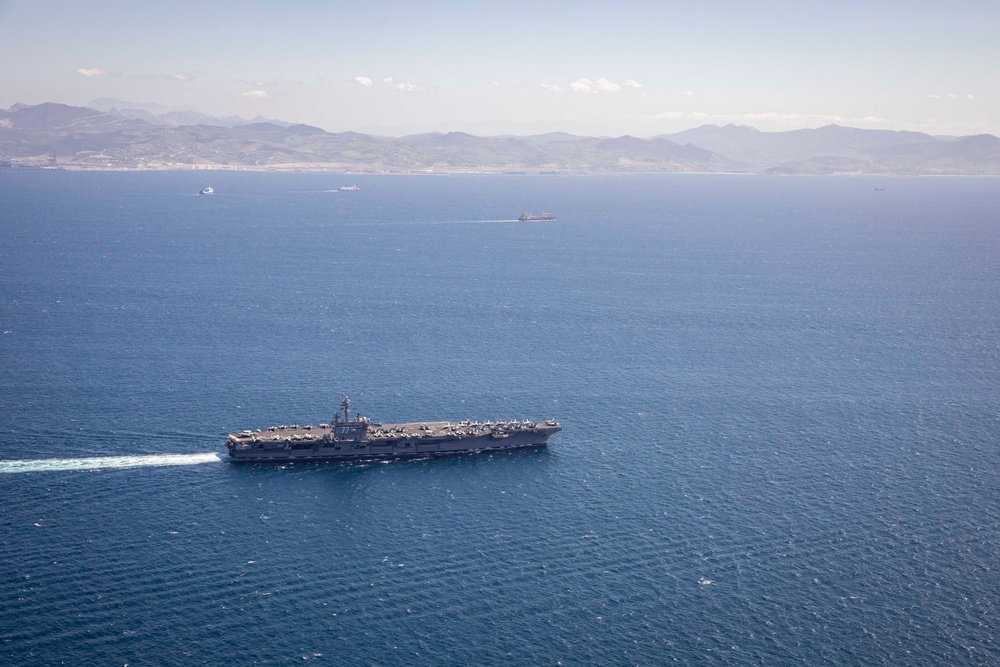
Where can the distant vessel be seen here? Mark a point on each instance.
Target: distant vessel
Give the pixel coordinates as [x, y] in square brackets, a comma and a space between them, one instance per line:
[348, 439]
[206, 191]
[349, 188]
[528, 217]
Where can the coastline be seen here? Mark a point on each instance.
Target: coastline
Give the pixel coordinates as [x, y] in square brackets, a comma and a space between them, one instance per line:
[337, 169]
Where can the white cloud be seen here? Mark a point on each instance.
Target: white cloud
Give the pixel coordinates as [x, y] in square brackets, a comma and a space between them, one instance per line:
[602, 85]
[551, 87]
[932, 96]
[606, 86]
[92, 73]
[153, 76]
[495, 84]
[952, 96]
[688, 93]
[400, 85]
[256, 94]
[259, 83]
[969, 95]
[364, 81]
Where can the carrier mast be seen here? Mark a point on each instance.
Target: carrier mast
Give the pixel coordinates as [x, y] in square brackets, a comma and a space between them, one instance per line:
[345, 407]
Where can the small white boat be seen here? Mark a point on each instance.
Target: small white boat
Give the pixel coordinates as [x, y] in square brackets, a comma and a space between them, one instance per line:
[349, 188]
[206, 191]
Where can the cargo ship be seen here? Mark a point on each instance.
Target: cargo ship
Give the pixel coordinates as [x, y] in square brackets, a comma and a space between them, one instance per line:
[358, 438]
[528, 217]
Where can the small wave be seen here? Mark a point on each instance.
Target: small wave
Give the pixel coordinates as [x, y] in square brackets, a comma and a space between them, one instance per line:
[102, 462]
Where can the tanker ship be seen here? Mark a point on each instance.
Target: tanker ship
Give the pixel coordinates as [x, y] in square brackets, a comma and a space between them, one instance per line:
[359, 438]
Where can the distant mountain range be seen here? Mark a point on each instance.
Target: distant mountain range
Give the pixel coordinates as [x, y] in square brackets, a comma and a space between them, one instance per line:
[122, 136]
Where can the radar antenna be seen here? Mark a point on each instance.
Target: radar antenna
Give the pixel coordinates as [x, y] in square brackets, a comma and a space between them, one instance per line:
[345, 407]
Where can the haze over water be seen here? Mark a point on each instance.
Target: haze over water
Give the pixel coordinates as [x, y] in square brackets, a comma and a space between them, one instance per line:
[779, 399]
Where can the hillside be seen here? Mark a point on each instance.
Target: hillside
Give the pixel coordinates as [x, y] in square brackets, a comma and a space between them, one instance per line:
[56, 135]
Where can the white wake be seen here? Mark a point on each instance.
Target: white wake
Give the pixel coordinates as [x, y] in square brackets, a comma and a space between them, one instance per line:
[102, 462]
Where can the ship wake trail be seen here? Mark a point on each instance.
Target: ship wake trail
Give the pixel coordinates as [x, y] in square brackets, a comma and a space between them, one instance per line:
[105, 462]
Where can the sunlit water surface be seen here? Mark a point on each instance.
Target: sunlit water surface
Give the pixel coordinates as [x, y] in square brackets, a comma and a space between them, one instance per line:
[780, 401]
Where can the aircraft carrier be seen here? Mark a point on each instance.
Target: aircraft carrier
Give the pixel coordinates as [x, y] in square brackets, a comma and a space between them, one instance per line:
[359, 438]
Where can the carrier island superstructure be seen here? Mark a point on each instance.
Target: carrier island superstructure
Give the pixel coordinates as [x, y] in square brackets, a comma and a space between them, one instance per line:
[359, 438]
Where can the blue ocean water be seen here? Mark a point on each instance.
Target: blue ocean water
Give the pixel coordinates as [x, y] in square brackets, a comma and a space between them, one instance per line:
[780, 399]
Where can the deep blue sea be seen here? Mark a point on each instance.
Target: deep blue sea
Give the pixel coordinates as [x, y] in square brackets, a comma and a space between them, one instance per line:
[780, 399]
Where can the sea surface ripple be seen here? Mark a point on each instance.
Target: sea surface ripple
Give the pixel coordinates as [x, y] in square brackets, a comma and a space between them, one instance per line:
[780, 400]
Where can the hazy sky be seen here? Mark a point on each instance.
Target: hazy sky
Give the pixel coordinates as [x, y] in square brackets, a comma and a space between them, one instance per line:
[613, 68]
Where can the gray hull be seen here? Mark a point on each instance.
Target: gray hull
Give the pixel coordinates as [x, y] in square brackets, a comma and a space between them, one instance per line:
[363, 440]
